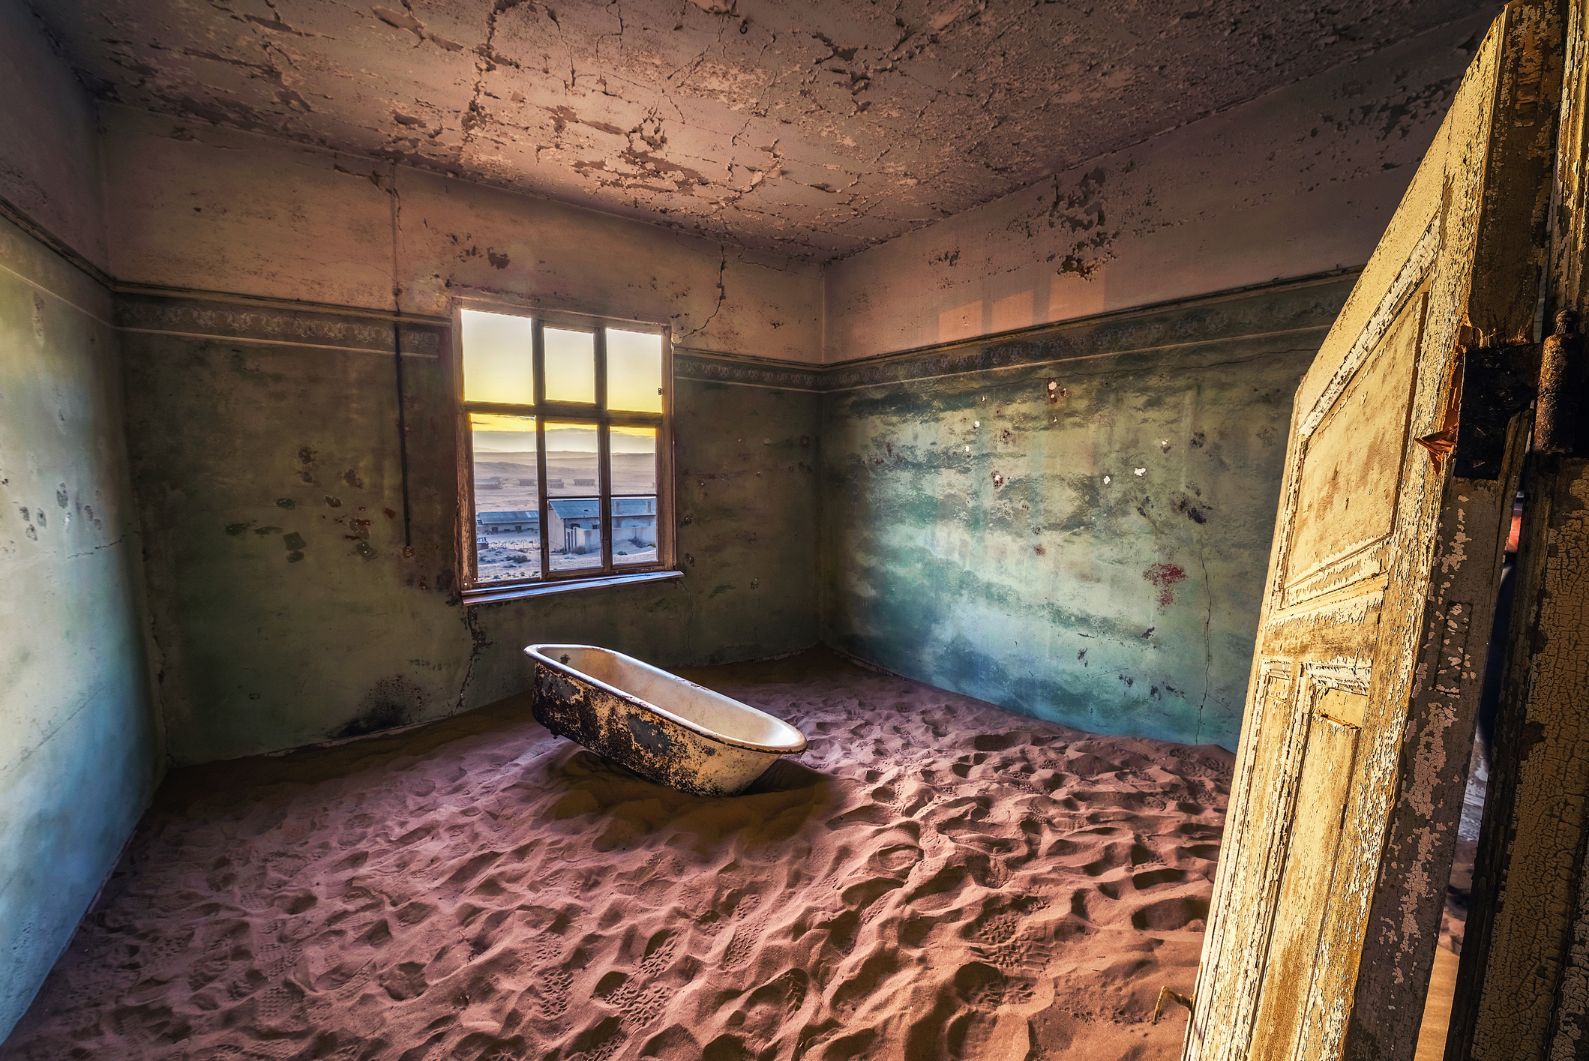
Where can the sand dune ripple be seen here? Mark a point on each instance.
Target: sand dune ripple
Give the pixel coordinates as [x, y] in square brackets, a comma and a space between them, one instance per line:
[933, 878]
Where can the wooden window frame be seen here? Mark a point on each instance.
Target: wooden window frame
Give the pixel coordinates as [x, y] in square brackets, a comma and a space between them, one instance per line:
[559, 412]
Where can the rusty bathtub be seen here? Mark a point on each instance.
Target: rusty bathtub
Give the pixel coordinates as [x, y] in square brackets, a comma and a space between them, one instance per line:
[655, 723]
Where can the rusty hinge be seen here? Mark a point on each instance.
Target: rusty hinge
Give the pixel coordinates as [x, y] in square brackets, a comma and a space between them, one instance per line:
[1562, 389]
[1492, 385]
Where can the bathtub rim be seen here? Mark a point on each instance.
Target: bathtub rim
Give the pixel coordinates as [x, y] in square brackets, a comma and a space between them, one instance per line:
[538, 653]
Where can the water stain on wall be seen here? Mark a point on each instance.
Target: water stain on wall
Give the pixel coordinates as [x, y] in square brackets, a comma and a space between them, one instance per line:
[1090, 551]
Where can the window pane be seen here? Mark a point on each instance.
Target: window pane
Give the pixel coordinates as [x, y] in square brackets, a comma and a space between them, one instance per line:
[570, 365]
[573, 495]
[634, 371]
[498, 361]
[634, 495]
[507, 503]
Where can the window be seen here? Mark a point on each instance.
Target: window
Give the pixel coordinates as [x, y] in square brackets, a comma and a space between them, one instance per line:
[564, 435]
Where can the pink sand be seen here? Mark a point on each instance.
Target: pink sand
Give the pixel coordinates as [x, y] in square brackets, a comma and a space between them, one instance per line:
[934, 877]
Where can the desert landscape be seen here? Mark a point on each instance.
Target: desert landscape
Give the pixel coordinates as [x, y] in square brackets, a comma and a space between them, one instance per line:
[506, 481]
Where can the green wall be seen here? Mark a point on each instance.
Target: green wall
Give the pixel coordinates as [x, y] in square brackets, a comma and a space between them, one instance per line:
[1092, 553]
[976, 530]
[79, 744]
[286, 604]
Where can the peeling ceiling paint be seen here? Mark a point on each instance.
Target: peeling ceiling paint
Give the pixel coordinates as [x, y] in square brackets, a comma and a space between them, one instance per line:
[813, 129]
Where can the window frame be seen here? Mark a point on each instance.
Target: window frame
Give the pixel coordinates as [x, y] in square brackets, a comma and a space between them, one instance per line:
[544, 411]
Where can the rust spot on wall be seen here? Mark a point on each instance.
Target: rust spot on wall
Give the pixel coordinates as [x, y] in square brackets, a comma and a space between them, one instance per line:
[1165, 577]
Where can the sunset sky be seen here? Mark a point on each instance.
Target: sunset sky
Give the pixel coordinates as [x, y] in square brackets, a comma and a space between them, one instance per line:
[494, 433]
[498, 363]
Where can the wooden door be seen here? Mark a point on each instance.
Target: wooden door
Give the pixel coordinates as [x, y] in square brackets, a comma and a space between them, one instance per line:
[1400, 471]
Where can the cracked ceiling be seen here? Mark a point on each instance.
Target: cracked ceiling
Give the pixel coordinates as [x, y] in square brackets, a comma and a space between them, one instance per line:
[813, 129]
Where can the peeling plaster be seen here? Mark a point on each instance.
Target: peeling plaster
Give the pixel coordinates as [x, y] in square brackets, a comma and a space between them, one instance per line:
[1298, 182]
[217, 209]
[815, 129]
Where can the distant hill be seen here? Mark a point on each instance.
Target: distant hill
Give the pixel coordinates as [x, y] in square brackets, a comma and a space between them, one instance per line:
[632, 473]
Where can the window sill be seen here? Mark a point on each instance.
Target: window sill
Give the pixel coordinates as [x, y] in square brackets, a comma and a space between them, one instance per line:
[490, 595]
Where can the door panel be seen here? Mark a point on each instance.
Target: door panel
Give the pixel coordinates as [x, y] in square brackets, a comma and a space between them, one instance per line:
[1349, 779]
[1310, 865]
[1350, 469]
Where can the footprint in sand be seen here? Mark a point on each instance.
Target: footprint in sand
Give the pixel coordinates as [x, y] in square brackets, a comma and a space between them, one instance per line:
[1169, 914]
[747, 932]
[405, 981]
[598, 1041]
[1152, 878]
[939, 891]
[865, 814]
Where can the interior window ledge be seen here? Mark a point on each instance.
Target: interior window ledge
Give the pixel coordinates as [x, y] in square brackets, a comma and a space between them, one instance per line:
[491, 595]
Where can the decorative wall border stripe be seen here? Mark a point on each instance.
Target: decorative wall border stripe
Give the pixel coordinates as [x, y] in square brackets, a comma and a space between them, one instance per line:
[738, 370]
[276, 324]
[24, 222]
[1299, 308]
[1289, 308]
[43, 267]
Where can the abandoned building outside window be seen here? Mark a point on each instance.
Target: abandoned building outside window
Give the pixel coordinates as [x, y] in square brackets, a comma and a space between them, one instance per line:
[565, 443]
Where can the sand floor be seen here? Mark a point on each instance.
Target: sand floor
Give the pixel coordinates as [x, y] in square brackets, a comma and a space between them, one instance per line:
[933, 878]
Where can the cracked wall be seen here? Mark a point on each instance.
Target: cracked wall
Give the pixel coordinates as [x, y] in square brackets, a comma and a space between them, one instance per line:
[1297, 182]
[815, 129]
[195, 206]
[264, 436]
[1074, 524]
[289, 610]
[79, 749]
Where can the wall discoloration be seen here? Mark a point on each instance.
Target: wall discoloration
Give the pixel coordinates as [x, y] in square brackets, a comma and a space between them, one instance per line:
[218, 210]
[816, 128]
[49, 168]
[1081, 589]
[1297, 182]
[285, 624]
[79, 735]
[79, 747]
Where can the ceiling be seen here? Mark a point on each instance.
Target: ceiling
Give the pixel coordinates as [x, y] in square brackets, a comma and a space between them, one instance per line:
[813, 129]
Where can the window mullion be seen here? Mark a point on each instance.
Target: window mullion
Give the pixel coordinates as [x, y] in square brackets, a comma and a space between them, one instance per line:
[538, 365]
[604, 449]
[472, 533]
[667, 527]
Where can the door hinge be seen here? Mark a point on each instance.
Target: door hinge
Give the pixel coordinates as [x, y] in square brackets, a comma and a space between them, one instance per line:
[1498, 383]
[1560, 414]
[1492, 385]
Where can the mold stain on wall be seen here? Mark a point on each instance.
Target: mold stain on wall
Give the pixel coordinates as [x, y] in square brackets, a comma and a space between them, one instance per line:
[290, 607]
[1083, 539]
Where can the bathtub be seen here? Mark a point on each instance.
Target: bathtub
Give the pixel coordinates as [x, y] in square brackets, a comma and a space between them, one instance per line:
[655, 723]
